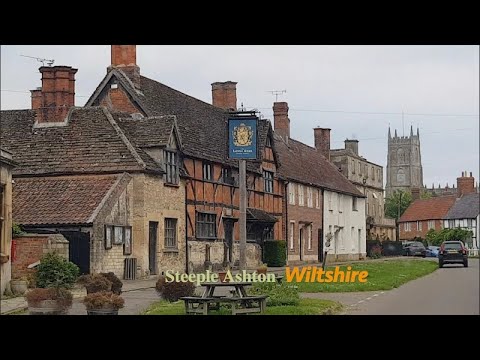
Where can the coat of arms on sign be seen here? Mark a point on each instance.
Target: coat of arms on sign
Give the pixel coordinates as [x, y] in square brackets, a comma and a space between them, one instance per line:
[242, 135]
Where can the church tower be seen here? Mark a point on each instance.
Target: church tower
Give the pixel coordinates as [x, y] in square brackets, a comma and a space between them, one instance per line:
[404, 162]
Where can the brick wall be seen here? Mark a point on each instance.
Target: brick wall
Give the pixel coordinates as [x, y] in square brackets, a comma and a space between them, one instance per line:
[415, 232]
[118, 100]
[31, 247]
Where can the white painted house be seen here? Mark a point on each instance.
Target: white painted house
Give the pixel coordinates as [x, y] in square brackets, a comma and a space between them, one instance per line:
[344, 224]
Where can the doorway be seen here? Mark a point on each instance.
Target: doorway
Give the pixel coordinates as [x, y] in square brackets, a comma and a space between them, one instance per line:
[152, 246]
[78, 249]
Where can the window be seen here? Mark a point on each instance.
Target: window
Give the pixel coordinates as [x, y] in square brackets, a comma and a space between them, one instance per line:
[354, 205]
[268, 181]
[170, 233]
[207, 171]
[206, 227]
[352, 237]
[373, 173]
[171, 167]
[353, 166]
[329, 195]
[301, 195]
[419, 226]
[127, 245]
[292, 233]
[291, 193]
[406, 227]
[269, 235]
[309, 239]
[309, 197]
[469, 223]
[227, 176]
[317, 199]
[118, 235]
[358, 167]
[339, 205]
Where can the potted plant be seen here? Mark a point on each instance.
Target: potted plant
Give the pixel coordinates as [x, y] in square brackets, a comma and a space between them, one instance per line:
[95, 283]
[49, 301]
[222, 275]
[117, 284]
[262, 269]
[103, 303]
[19, 286]
[54, 277]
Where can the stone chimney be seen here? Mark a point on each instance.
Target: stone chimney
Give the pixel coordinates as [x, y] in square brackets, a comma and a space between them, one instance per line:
[322, 141]
[281, 120]
[124, 57]
[352, 145]
[224, 95]
[415, 194]
[465, 184]
[56, 96]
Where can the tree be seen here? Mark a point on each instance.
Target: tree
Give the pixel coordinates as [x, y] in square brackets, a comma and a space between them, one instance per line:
[436, 238]
[399, 197]
[425, 195]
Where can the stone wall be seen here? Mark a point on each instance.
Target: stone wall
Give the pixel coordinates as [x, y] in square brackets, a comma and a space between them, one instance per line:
[6, 222]
[29, 248]
[203, 255]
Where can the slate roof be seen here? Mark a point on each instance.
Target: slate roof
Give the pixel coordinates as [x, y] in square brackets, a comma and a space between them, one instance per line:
[302, 163]
[91, 142]
[428, 209]
[65, 200]
[202, 126]
[466, 207]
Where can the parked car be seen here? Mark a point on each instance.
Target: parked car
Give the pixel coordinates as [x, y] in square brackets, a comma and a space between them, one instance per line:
[453, 252]
[432, 251]
[415, 248]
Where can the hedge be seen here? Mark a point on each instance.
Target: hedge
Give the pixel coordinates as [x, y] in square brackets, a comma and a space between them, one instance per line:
[275, 253]
[392, 248]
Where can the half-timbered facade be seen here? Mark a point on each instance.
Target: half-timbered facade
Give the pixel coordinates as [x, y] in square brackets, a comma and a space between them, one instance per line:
[211, 179]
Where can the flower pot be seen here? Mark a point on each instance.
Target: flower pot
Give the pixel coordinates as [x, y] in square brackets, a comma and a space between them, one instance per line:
[222, 277]
[47, 307]
[262, 271]
[19, 287]
[102, 312]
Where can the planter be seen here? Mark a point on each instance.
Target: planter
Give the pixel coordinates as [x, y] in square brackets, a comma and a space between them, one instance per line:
[102, 312]
[46, 307]
[222, 277]
[262, 271]
[19, 287]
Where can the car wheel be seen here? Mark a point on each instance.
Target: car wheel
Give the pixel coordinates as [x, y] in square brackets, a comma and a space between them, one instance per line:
[440, 264]
[407, 253]
[465, 264]
[424, 255]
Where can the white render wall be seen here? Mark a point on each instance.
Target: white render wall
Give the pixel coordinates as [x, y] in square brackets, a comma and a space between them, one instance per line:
[344, 223]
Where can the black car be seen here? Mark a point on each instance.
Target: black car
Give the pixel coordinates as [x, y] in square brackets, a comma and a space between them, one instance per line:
[452, 252]
[414, 248]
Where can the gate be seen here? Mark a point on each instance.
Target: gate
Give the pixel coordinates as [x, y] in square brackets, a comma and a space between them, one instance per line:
[79, 249]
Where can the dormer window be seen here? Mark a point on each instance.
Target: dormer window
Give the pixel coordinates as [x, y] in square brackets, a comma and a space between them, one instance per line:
[171, 167]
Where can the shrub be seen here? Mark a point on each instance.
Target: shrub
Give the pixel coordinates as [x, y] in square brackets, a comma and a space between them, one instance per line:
[370, 244]
[17, 230]
[172, 291]
[275, 253]
[95, 283]
[375, 252]
[103, 300]
[63, 297]
[278, 294]
[56, 271]
[392, 248]
[117, 284]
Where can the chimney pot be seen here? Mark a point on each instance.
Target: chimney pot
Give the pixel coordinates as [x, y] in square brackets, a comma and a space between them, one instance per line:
[322, 141]
[224, 95]
[465, 184]
[281, 120]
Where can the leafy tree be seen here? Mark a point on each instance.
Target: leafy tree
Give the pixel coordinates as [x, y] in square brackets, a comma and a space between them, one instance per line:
[438, 237]
[399, 197]
[425, 195]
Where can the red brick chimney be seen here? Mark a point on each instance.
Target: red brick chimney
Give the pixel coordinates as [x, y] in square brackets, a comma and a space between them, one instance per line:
[415, 193]
[124, 57]
[322, 141]
[281, 120]
[465, 184]
[224, 95]
[56, 96]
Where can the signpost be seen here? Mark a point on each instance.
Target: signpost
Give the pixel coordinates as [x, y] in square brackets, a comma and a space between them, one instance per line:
[242, 145]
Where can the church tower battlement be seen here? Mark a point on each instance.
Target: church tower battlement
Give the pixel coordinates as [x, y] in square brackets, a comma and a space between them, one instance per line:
[404, 162]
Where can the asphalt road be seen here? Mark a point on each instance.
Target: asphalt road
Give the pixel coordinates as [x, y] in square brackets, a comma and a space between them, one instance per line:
[452, 290]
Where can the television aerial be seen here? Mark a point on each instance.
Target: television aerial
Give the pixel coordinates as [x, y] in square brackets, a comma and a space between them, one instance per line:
[43, 61]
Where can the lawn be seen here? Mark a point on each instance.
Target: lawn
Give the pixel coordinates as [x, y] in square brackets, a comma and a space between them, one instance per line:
[305, 307]
[382, 275]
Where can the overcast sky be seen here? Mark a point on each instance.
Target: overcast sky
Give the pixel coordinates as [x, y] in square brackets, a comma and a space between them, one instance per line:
[340, 87]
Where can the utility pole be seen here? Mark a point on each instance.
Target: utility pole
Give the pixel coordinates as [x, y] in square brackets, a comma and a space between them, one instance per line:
[243, 213]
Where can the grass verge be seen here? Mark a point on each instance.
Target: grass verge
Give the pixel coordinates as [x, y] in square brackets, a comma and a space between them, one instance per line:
[305, 307]
[382, 275]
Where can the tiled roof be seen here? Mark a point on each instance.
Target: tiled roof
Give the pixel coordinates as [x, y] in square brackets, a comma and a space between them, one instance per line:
[202, 126]
[466, 207]
[304, 164]
[65, 200]
[428, 209]
[260, 215]
[90, 142]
